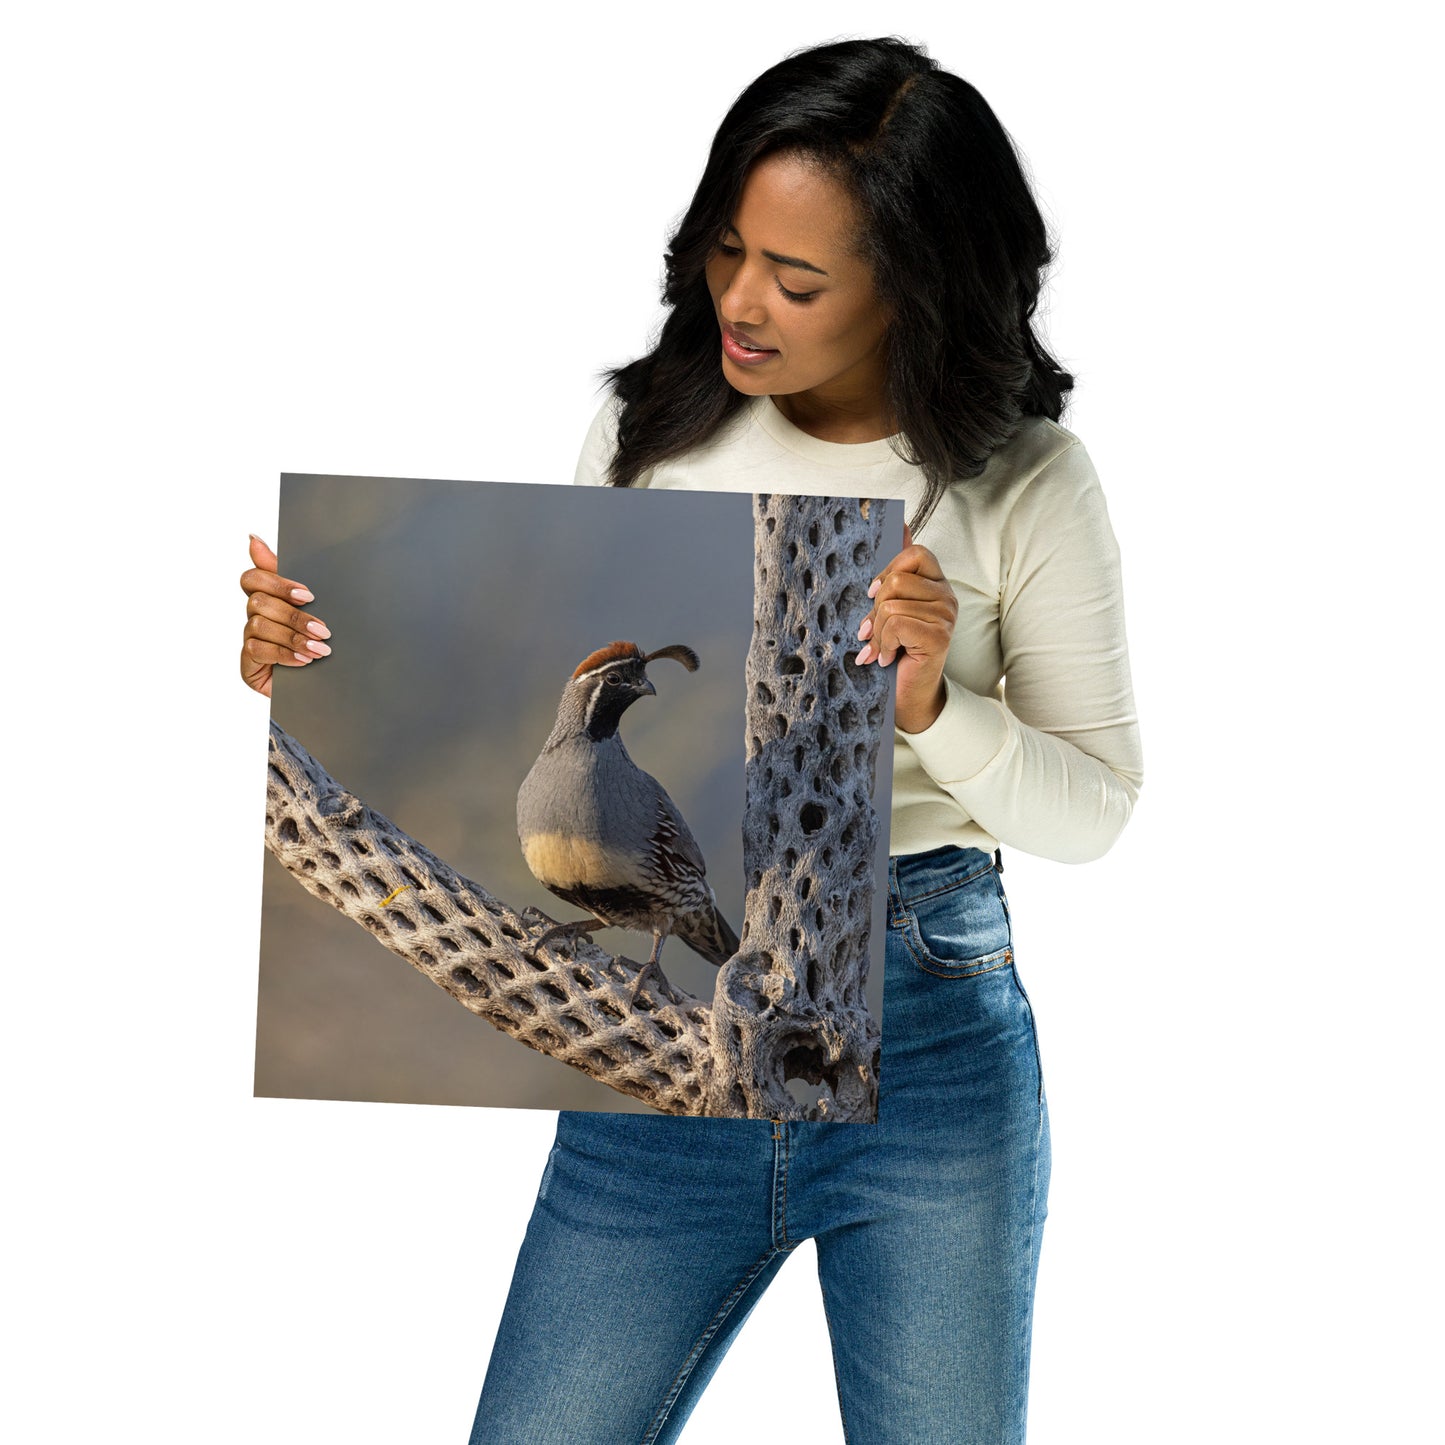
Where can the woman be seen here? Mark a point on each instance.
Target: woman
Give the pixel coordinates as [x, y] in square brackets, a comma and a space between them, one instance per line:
[850, 299]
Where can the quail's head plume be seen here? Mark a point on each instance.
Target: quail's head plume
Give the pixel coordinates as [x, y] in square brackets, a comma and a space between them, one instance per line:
[602, 834]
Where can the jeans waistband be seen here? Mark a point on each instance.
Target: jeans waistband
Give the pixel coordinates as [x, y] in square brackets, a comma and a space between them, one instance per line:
[917, 875]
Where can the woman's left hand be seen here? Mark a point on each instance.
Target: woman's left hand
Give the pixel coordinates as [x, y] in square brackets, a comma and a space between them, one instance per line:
[914, 610]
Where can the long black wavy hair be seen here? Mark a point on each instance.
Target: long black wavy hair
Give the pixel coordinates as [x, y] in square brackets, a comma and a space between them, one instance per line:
[951, 230]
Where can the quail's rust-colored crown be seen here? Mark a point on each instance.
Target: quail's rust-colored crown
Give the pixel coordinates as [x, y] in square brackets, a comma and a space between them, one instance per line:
[631, 652]
[613, 652]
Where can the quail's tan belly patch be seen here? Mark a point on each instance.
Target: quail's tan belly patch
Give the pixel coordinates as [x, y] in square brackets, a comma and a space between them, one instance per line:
[561, 861]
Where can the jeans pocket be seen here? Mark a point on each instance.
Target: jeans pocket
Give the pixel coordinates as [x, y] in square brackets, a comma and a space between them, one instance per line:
[962, 930]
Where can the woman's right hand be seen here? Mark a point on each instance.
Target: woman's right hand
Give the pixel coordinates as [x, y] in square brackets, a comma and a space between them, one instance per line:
[277, 631]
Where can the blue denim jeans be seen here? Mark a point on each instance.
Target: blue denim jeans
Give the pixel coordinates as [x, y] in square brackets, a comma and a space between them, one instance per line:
[653, 1238]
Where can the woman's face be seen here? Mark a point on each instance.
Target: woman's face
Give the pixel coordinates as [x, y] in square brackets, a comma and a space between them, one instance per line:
[796, 305]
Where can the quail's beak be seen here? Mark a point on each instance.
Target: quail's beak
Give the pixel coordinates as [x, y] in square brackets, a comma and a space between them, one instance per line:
[646, 689]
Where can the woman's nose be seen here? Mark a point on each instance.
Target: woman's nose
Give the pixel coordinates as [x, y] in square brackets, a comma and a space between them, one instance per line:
[742, 299]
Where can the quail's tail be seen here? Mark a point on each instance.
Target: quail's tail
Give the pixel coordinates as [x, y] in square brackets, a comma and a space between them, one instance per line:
[707, 932]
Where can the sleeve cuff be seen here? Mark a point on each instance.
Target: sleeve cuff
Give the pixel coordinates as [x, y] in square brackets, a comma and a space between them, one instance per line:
[963, 739]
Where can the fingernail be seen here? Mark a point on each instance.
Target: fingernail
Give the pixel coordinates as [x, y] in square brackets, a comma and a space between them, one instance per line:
[866, 630]
[318, 629]
[303, 657]
[863, 655]
[876, 584]
[319, 648]
[302, 595]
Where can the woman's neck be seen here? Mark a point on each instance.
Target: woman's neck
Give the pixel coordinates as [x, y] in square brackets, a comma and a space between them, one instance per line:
[837, 419]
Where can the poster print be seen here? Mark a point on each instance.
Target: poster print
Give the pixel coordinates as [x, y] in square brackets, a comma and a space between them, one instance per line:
[599, 766]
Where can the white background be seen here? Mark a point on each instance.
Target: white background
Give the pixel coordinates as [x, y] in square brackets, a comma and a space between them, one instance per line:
[400, 241]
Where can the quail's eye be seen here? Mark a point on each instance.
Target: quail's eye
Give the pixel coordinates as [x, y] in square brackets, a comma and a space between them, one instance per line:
[613, 680]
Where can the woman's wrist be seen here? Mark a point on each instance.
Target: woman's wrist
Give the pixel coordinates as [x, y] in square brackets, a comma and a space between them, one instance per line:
[918, 718]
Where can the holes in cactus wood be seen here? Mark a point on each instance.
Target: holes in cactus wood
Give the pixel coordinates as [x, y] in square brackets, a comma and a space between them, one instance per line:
[813, 534]
[764, 694]
[425, 959]
[836, 683]
[288, 831]
[848, 717]
[512, 931]
[350, 889]
[552, 990]
[780, 725]
[807, 579]
[449, 944]
[840, 520]
[830, 564]
[791, 665]
[811, 817]
[470, 980]
[860, 554]
[332, 860]
[479, 936]
[359, 848]
[798, 758]
[434, 914]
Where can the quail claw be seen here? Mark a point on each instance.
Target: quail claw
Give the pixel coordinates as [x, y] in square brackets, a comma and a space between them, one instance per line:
[664, 988]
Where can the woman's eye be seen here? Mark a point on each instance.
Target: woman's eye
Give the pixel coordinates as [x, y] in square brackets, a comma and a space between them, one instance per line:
[796, 295]
[723, 249]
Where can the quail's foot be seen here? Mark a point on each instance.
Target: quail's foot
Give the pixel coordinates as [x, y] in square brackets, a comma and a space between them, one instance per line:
[664, 988]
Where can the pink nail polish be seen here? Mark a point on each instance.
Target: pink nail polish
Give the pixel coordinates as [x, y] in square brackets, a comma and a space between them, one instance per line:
[873, 590]
[318, 629]
[319, 648]
[302, 595]
[866, 629]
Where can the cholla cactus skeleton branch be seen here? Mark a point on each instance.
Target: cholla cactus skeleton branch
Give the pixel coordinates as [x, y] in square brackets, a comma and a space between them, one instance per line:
[790, 1004]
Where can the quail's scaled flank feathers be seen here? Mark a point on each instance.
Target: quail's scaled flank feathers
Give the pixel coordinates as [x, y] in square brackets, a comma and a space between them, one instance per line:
[601, 833]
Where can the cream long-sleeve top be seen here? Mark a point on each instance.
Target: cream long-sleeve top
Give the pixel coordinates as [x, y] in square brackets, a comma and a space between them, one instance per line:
[1037, 746]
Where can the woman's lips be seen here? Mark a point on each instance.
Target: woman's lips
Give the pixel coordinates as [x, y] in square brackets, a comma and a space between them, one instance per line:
[739, 347]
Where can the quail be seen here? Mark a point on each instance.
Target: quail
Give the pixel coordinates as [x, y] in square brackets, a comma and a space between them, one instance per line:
[602, 834]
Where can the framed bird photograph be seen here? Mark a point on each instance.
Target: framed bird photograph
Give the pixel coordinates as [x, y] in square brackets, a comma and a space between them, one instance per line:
[582, 802]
